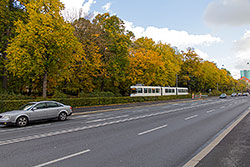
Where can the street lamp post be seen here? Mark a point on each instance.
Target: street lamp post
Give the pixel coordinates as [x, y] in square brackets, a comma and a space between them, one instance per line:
[176, 84]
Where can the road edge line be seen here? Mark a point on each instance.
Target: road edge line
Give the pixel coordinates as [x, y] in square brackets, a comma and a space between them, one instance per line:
[198, 157]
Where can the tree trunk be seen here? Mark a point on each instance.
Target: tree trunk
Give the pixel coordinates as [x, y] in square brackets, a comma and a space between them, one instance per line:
[5, 79]
[4, 73]
[45, 82]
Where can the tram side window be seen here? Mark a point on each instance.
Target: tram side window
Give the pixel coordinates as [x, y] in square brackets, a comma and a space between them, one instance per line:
[145, 90]
[173, 90]
[157, 90]
[153, 90]
[149, 90]
[139, 90]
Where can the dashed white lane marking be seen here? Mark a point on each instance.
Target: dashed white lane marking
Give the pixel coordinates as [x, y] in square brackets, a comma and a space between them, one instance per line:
[140, 110]
[63, 158]
[211, 111]
[165, 106]
[223, 107]
[24, 128]
[87, 116]
[193, 116]
[100, 116]
[151, 130]
[105, 119]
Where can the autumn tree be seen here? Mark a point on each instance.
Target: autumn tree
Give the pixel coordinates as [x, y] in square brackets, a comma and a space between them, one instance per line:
[210, 76]
[10, 11]
[88, 73]
[153, 63]
[191, 70]
[115, 54]
[45, 47]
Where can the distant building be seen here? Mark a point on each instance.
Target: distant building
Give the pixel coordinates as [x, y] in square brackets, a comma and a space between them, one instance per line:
[246, 79]
[245, 73]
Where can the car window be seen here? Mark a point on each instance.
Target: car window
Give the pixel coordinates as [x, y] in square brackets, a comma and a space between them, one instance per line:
[41, 106]
[52, 105]
[26, 106]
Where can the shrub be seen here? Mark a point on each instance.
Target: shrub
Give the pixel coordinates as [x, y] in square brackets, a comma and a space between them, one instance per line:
[7, 105]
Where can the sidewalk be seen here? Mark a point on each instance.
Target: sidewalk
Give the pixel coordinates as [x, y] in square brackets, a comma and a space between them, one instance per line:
[233, 150]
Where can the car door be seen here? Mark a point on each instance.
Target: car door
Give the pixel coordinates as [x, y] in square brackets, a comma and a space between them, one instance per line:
[39, 112]
[53, 109]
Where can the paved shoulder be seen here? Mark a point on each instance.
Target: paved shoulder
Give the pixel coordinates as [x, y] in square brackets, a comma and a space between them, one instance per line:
[233, 150]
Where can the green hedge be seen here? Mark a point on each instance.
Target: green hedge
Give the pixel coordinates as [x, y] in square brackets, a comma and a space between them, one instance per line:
[7, 105]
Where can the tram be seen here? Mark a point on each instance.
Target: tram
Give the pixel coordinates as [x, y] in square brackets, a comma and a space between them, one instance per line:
[139, 90]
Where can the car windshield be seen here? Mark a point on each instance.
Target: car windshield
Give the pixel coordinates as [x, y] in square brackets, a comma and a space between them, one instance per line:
[26, 106]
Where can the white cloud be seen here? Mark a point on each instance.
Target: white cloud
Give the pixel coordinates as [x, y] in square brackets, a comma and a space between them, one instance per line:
[241, 50]
[75, 9]
[202, 54]
[86, 6]
[228, 12]
[106, 7]
[69, 4]
[180, 39]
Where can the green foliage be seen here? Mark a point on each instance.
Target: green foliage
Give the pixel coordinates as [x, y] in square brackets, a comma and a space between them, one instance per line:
[58, 94]
[12, 96]
[45, 45]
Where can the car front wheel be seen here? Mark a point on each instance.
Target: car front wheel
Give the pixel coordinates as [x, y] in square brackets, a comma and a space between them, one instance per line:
[22, 121]
[62, 116]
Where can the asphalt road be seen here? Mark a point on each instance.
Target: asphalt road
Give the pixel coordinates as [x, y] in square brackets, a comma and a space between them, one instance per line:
[159, 135]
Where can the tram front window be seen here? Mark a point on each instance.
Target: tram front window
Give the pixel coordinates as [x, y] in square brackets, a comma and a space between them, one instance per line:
[133, 90]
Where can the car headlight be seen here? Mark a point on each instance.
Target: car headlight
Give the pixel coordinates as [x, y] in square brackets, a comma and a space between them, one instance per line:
[6, 117]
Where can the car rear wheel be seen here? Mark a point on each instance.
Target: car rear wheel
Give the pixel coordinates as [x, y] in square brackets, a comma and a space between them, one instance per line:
[62, 116]
[22, 121]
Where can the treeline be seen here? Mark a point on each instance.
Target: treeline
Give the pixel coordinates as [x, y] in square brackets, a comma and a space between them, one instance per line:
[42, 54]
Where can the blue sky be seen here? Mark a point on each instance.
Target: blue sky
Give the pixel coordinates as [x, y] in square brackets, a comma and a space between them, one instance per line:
[219, 30]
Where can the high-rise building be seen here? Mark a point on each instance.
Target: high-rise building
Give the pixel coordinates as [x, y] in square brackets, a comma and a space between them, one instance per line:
[245, 73]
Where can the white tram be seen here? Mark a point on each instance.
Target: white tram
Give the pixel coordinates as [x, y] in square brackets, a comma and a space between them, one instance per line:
[157, 91]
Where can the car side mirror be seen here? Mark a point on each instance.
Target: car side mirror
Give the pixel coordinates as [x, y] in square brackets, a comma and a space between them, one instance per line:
[34, 108]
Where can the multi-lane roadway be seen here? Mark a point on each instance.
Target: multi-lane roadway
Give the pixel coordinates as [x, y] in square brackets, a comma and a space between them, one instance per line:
[158, 135]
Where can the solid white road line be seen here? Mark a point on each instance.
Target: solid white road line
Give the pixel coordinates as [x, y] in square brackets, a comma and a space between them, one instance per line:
[211, 111]
[193, 116]
[63, 158]
[151, 130]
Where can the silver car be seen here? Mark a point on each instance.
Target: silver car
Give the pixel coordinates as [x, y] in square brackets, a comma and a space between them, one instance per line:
[35, 111]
